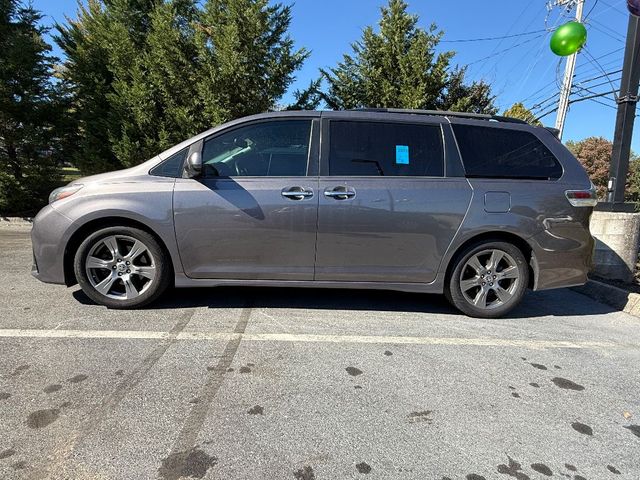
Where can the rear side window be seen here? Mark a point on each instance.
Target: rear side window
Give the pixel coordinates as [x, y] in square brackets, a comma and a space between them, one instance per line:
[503, 153]
[385, 149]
[172, 166]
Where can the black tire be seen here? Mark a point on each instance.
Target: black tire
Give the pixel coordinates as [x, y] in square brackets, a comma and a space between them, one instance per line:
[159, 260]
[453, 289]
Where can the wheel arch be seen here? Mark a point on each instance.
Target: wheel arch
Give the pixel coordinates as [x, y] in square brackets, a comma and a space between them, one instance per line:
[96, 224]
[500, 236]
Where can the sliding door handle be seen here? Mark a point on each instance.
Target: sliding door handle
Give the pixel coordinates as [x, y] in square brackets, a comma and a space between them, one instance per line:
[297, 193]
[340, 193]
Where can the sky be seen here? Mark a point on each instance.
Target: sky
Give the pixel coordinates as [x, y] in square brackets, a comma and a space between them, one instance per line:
[520, 68]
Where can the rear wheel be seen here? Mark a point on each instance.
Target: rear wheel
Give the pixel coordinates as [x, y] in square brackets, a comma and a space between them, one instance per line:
[488, 279]
[122, 267]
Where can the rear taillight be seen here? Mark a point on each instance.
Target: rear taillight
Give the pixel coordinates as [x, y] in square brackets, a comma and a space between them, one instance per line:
[582, 198]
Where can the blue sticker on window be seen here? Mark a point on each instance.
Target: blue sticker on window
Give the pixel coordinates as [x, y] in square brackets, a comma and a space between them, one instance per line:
[402, 154]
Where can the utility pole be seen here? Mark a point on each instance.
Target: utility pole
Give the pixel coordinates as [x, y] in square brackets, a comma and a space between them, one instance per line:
[563, 103]
[626, 113]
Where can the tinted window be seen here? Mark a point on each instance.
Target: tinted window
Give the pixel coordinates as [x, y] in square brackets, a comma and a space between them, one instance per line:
[272, 149]
[504, 153]
[389, 149]
[172, 166]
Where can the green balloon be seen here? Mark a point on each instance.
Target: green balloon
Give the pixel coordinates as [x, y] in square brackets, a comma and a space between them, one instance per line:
[568, 38]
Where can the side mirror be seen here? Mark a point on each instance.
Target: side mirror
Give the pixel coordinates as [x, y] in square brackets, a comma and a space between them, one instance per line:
[194, 164]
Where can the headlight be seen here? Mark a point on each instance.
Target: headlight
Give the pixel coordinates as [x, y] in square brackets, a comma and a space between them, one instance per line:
[64, 192]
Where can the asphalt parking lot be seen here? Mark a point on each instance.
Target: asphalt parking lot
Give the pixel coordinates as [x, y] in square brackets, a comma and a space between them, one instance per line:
[241, 383]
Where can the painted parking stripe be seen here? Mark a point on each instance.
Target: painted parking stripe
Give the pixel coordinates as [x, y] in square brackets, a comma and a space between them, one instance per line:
[304, 337]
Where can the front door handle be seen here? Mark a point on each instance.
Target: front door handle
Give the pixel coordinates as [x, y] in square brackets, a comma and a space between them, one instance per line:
[297, 193]
[340, 193]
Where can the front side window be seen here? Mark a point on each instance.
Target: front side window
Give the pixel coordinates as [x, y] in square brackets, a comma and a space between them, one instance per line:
[267, 149]
[385, 149]
[504, 153]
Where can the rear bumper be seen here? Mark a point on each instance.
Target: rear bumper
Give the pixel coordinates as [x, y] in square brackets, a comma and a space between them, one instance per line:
[561, 261]
[48, 241]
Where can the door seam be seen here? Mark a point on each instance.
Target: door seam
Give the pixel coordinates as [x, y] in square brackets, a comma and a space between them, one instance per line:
[315, 250]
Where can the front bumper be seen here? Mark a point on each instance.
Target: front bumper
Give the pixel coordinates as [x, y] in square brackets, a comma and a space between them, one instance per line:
[48, 239]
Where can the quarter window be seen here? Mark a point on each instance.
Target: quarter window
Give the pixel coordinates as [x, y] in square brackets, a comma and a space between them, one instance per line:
[385, 149]
[504, 153]
[267, 149]
[172, 166]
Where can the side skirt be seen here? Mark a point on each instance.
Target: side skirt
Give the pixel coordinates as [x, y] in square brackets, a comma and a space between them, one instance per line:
[182, 281]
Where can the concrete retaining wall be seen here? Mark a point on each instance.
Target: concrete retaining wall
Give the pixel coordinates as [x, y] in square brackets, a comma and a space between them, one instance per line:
[617, 236]
[15, 221]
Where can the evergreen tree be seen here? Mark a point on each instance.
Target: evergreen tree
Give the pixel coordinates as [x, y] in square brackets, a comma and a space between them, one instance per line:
[459, 96]
[518, 110]
[102, 42]
[398, 67]
[248, 60]
[149, 73]
[30, 112]
[154, 96]
[308, 99]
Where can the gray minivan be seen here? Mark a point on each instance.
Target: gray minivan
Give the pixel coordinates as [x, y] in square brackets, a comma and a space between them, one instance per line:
[477, 207]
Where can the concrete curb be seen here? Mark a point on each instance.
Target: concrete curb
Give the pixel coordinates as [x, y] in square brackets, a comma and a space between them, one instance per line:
[618, 298]
[16, 221]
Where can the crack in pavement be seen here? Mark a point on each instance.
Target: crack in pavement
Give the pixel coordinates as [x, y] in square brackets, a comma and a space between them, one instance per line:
[188, 436]
[58, 464]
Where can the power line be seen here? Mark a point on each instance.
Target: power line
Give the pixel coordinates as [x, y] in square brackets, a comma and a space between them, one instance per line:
[612, 72]
[595, 94]
[594, 68]
[544, 90]
[543, 104]
[607, 27]
[550, 91]
[493, 38]
[526, 8]
[591, 9]
[602, 103]
[576, 100]
[603, 31]
[603, 83]
[595, 61]
[520, 15]
[546, 102]
[595, 98]
[583, 82]
[505, 50]
[614, 7]
[532, 65]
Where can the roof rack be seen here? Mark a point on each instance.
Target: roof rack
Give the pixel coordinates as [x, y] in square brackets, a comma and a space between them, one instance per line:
[444, 113]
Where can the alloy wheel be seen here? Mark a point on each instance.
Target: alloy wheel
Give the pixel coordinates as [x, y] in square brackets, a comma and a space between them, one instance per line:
[120, 267]
[489, 279]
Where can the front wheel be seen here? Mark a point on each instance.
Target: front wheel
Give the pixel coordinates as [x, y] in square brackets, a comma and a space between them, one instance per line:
[122, 267]
[488, 279]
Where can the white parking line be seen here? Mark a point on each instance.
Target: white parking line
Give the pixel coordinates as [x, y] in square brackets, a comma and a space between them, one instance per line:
[305, 337]
[125, 334]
